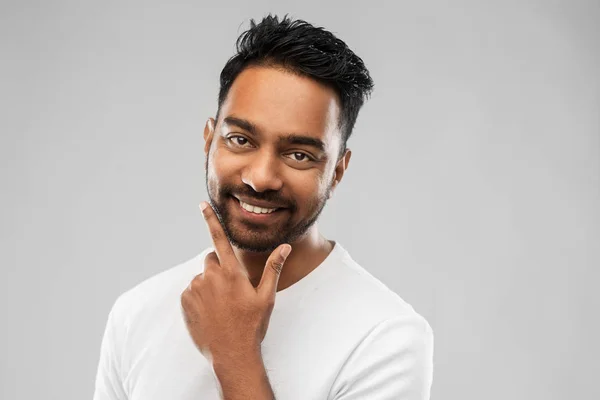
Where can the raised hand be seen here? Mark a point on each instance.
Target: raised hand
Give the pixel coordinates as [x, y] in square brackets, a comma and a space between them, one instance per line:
[225, 315]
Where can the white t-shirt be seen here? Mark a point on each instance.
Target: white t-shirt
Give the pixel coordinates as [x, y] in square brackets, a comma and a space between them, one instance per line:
[338, 333]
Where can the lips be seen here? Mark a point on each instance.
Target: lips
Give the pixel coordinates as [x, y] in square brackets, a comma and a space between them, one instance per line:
[258, 203]
[256, 217]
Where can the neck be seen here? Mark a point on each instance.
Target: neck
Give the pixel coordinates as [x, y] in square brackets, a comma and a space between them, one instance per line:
[307, 253]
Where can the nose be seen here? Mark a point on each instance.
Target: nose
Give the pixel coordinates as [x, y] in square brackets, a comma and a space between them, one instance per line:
[262, 173]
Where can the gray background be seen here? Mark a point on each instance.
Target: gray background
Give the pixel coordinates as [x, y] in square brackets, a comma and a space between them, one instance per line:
[473, 189]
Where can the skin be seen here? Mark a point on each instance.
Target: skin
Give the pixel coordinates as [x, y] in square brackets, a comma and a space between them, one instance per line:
[229, 333]
[247, 267]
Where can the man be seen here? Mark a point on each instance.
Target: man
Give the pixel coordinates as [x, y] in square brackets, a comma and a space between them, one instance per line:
[273, 309]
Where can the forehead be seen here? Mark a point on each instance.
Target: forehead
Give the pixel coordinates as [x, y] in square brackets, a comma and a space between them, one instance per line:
[281, 102]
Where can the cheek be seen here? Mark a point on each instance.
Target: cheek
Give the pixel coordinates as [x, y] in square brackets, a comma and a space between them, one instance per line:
[307, 187]
[222, 165]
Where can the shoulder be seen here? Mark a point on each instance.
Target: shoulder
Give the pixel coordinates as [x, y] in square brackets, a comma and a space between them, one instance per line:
[369, 296]
[390, 345]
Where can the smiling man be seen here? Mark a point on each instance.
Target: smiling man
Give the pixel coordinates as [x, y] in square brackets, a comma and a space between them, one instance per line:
[273, 309]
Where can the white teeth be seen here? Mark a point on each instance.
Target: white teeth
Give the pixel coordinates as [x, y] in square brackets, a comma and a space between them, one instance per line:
[256, 210]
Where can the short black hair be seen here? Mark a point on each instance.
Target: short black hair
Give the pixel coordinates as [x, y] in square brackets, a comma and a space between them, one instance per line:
[301, 48]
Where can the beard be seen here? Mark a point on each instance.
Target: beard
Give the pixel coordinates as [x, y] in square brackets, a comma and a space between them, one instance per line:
[255, 237]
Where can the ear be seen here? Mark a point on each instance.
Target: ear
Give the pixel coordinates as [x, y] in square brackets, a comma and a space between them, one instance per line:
[209, 130]
[340, 169]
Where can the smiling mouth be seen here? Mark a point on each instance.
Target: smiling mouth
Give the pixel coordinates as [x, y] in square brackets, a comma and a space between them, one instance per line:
[255, 211]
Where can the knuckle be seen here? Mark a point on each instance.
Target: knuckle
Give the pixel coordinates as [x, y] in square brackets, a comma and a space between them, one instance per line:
[211, 258]
[185, 299]
[196, 284]
[277, 266]
[218, 235]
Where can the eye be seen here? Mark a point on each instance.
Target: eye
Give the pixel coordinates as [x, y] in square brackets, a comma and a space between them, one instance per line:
[301, 157]
[237, 140]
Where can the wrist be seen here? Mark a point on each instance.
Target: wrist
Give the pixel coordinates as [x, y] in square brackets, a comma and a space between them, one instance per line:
[242, 370]
[238, 360]
[242, 376]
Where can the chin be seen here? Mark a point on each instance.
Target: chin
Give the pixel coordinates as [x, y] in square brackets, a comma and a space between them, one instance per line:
[255, 247]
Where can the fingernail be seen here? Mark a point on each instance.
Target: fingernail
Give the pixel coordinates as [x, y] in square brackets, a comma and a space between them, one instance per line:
[285, 251]
[203, 205]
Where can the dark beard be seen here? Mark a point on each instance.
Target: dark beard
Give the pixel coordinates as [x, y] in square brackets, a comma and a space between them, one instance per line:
[287, 233]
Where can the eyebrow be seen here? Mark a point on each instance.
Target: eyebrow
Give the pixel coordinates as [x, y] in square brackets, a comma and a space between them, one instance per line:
[290, 138]
[243, 124]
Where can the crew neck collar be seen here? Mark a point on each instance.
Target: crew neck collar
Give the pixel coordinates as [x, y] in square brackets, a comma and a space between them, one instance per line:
[290, 293]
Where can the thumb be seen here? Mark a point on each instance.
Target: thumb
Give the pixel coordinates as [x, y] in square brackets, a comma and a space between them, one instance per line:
[270, 277]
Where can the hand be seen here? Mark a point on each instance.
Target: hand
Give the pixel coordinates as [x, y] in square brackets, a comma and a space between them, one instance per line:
[225, 315]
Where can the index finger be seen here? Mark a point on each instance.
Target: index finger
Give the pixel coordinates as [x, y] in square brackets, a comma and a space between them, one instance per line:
[223, 248]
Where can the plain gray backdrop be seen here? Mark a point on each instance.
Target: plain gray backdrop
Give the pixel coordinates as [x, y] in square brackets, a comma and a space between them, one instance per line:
[473, 189]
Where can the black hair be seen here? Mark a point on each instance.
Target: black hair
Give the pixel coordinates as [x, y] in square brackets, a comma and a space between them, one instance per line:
[299, 47]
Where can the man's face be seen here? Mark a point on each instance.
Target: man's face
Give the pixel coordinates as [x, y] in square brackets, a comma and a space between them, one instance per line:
[275, 145]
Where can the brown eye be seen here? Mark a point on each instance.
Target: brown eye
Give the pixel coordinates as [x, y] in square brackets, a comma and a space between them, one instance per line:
[301, 157]
[238, 140]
